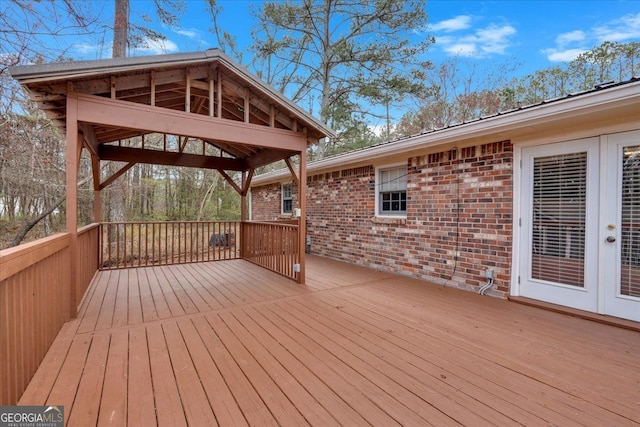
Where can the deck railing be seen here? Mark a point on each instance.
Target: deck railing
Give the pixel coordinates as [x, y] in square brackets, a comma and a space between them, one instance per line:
[35, 301]
[88, 248]
[140, 244]
[273, 245]
[35, 278]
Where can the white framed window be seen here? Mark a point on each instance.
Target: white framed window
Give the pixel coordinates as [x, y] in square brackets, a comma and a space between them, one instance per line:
[287, 199]
[391, 190]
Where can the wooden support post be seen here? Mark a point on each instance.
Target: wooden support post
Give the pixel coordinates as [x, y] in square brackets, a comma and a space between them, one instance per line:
[247, 105]
[243, 196]
[272, 116]
[152, 83]
[187, 92]
[243, 217]
[73, 152]
[212, 93]
[97, 204]
[302, 221]
[219, 93]
[247, 182]
[113, 87]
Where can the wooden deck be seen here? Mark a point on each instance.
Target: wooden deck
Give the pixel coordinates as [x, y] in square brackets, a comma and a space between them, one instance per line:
[229, 343]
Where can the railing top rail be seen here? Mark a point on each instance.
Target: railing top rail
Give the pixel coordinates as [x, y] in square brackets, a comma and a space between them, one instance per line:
[171, 222]
[277, 223]
[88, 228]
[14, 260]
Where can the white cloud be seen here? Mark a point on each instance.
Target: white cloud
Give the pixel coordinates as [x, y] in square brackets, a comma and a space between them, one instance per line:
[458, 23]
[92, 50]
[192, 34]
[566, 55]
[492, 40]
[570, 45]
[495, 39]
[147, 47]
[155, 47]
[571, 37]
[618, 30]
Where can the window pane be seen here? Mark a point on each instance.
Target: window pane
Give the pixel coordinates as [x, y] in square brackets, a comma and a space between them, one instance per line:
[286, 191]
[287, 204]
[393, 202]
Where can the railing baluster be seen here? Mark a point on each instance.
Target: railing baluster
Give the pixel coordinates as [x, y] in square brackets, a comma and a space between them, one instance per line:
[173, 242]
[166, 243]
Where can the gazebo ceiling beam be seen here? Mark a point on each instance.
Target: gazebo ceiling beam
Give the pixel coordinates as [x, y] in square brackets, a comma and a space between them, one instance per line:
[232, 150]
[103, 111]
[266, 157]
[168, 158]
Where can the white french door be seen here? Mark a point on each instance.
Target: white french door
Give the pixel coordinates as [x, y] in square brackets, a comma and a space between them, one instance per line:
[620, 231]
[580, 224]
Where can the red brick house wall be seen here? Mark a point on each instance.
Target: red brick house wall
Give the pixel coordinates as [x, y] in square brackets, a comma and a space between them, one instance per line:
[458, 222]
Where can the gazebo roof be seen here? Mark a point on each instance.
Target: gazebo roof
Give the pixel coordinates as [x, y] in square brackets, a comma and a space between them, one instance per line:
[200, 96]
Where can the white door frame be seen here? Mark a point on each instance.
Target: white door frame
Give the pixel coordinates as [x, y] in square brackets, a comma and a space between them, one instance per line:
[584, 298]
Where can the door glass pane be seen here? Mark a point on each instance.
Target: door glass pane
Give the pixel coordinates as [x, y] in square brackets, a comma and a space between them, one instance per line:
[559, 213]
[630, 228]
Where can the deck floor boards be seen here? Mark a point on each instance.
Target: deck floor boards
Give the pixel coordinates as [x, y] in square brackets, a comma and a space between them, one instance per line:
[229, 343]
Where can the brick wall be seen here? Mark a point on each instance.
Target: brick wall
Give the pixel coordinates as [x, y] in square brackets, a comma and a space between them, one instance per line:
[266, 202]
[440, 240]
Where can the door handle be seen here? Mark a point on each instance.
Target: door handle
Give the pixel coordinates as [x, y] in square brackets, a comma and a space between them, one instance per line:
[611, 239]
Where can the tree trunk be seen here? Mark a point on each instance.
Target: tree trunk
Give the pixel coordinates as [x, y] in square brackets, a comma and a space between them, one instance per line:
[34, 221]
[206, 196]
[120, 28]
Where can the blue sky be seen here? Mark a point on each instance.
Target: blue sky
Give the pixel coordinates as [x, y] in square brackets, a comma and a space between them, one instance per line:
[535, 34]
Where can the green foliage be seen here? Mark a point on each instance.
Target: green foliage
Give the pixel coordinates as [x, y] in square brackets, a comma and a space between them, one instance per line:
[345, 57]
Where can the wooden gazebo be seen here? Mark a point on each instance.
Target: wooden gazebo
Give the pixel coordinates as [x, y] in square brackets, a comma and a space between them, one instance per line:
[204, 98]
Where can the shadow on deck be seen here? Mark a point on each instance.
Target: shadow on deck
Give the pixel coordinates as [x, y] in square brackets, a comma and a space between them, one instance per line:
[231, 343]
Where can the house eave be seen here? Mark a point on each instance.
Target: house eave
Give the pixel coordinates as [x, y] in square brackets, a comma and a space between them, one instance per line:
[499, 127]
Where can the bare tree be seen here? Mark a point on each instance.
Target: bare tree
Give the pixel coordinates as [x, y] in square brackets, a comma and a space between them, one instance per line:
[28, 29]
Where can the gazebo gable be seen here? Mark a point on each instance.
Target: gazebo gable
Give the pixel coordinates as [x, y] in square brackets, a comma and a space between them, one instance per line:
[205, 98]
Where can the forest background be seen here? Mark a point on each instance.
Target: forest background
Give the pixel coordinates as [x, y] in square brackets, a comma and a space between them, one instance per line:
[359, 64]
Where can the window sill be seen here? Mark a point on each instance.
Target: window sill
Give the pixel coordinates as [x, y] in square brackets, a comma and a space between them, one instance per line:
[395, 220]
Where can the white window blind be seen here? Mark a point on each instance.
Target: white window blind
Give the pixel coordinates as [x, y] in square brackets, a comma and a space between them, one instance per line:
[393, 179]
[559, 213]
[630, 227]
